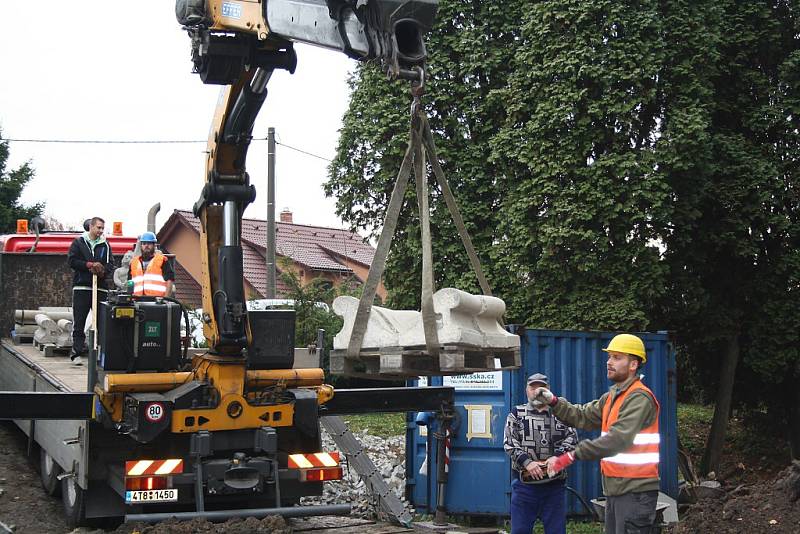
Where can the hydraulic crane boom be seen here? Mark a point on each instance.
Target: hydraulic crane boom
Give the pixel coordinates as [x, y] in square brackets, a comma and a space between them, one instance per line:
[240, 44]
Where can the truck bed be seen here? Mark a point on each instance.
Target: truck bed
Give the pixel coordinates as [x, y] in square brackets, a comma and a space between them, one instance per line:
[58, 371]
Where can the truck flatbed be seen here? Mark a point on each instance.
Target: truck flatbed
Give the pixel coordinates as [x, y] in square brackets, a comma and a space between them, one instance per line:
[58, 371]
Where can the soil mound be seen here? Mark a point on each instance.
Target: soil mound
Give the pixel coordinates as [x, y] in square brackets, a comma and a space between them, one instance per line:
[271, 524]
[769, 506]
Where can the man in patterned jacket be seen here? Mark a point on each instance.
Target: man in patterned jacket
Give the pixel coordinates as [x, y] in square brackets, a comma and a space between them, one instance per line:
[532, 435]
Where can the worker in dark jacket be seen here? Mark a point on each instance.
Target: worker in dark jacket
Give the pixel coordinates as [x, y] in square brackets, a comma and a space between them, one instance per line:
[89, 255]
[628, 447]
[532, 435]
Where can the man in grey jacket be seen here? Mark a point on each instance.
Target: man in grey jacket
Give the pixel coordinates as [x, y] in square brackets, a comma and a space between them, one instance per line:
[532, 435]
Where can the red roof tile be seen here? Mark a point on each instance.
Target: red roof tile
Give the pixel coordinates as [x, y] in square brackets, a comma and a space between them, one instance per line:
[316, 247]
[187, 290]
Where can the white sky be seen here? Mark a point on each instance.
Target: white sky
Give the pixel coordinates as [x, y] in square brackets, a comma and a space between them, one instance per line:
[111, 70]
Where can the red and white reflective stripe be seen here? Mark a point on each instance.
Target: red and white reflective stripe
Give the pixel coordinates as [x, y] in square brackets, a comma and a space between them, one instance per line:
[447, 452]
[313, 460]
[138, 468]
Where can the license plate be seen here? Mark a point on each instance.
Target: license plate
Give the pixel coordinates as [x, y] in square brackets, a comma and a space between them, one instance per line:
[162, 495]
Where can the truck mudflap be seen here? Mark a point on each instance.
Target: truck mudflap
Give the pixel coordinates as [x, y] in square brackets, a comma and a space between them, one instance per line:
[258, 513]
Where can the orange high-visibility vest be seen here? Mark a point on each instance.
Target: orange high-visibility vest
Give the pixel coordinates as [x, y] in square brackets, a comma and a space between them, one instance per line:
[641, 459]
[150, 282]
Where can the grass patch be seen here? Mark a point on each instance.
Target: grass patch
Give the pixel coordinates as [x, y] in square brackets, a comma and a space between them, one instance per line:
[694, 421]
[384, 425]
[573, 527]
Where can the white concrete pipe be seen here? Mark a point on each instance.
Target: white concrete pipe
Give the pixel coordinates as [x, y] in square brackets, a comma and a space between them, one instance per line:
[29, 316]
[25, 329]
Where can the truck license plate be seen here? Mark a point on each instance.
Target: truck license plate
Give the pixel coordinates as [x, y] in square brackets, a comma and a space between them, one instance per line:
[162, 495]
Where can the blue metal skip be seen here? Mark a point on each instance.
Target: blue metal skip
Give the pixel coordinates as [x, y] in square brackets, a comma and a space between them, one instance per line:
[480, 474]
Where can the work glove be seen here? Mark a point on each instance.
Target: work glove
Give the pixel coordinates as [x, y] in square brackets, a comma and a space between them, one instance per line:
[545, 396]
[90, 266]
[98, 269]
[556, 464]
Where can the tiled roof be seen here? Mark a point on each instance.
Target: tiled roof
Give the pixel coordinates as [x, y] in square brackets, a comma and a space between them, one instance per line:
[316, 247]
[187, 290]
[255, 272]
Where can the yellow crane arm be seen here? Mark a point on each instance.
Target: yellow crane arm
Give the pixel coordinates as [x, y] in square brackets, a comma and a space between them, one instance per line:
[239, 43]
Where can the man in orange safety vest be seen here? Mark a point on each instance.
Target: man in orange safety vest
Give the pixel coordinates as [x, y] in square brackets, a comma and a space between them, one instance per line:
[151, 272]
[628, 446]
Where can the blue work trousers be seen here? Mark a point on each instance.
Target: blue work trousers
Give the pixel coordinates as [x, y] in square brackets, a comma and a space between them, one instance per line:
[530, 502]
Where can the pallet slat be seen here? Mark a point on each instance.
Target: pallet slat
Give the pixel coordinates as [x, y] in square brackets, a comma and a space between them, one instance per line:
[50, 350]
[411, 362]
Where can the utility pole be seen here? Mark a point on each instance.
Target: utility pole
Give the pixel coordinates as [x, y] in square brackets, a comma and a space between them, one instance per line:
[271, 268]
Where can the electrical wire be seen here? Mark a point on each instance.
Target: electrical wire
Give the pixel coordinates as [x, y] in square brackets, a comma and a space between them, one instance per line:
[150, 142]
[303, 151]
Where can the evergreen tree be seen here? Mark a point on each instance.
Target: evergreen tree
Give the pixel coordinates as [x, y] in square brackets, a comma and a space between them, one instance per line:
[733, 245]
[11, 185]
[471, 52]
[581, 219]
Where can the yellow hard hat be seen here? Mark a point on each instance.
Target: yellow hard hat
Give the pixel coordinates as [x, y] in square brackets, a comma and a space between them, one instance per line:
[629, 344]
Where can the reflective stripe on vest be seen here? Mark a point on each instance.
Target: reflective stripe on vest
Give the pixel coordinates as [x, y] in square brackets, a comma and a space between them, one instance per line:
[641, 459]
[150, 282]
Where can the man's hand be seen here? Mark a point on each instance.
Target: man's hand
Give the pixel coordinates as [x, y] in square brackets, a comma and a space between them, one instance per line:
[535, 470]
[97, 268]
[545, 396]
[556, 464]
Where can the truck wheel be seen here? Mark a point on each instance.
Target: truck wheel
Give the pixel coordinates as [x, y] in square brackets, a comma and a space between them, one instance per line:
[73, 497]
[48, 472]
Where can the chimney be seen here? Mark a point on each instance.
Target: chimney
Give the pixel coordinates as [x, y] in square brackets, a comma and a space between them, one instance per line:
[286, 216]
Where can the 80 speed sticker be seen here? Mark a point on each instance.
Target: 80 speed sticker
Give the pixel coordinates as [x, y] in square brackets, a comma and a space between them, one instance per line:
[154, 412]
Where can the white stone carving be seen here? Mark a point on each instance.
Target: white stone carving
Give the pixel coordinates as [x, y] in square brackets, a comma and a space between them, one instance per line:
[461, 319]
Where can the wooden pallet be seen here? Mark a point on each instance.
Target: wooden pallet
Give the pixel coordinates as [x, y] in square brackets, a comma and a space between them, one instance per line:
[21, 339]
[394, 363]
[50, 350]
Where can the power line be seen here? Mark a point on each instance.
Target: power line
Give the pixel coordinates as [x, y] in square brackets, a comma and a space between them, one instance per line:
[102, 142]
[302, 151]
[150, 142]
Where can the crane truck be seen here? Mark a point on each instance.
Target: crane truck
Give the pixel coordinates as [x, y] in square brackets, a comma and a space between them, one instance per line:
[150, 430]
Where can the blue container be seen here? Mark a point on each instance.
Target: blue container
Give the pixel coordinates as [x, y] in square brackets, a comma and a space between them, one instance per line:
[480, 473]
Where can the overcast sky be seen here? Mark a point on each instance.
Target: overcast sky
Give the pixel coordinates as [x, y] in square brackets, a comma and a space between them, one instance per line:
[101, 70]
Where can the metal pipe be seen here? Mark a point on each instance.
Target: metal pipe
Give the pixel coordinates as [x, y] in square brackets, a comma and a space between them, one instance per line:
[440, 516]
[154, 382]
[144, 382]
[151, 217]
[258, 513]
[230, 224]
[260, 79]
[29, 316]
[271, 235]
[290, 377]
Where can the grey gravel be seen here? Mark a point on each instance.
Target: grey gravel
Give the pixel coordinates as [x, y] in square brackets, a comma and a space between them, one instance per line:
[388, 455]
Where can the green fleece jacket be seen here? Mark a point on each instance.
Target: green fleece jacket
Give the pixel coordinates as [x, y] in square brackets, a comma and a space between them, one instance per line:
[638, 411]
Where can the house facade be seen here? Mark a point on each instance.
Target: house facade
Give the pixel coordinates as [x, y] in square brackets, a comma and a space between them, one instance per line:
[336, 255]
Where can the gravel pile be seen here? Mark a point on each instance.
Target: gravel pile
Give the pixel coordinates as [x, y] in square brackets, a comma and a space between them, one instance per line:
[388, 455]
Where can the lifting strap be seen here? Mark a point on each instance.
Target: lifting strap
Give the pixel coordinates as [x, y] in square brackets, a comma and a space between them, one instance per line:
[420, 141]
